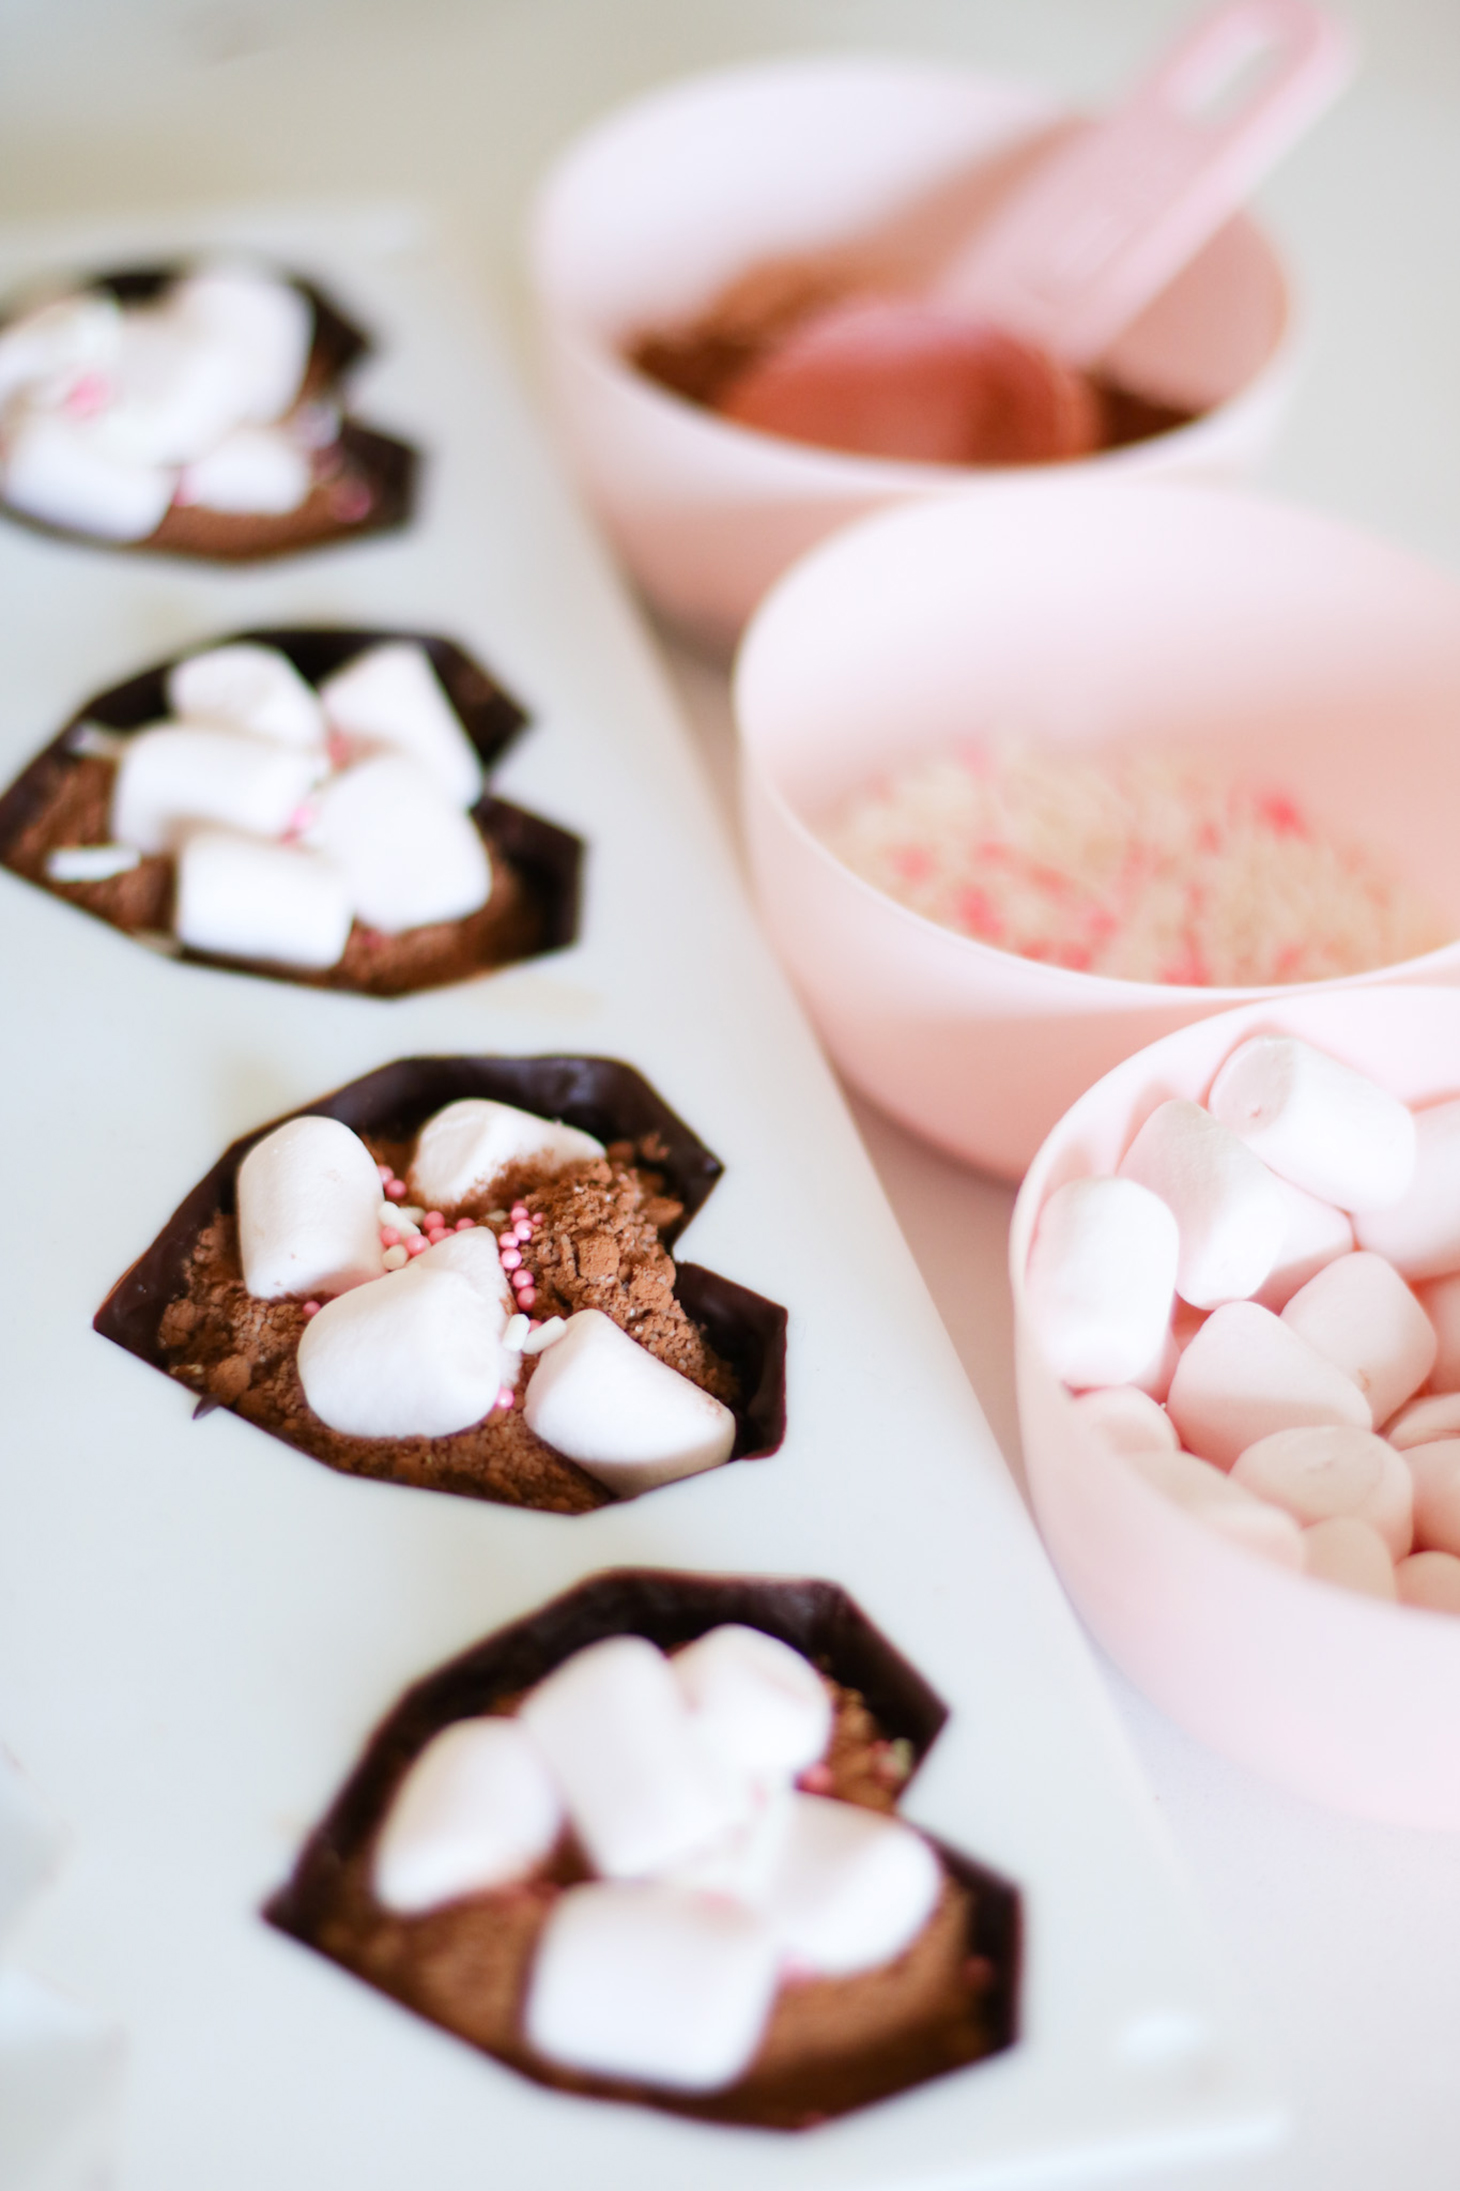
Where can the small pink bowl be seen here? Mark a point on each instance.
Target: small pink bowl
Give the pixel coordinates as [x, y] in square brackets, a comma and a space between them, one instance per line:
[652, 213]
[1297, 651]
[1340, 1698]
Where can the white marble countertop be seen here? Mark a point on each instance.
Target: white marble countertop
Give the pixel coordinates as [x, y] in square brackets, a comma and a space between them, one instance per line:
[1347, 1936]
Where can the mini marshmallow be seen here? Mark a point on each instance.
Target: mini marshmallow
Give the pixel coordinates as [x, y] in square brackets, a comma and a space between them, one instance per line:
[477, 1809]
[247, 899]
[175, 775]
[90, 862]
[1229, 1212]
[1440, 1300]
[307, 1195]
[1317, 1234]
[1435, 1470]
[1430, 1580]
[1202, 1491]
[173, 393]
[614, 1408]
[642, 1788]
[1420, 1235]
[46, 351]
[1321, 1470]
[473, 1256]
[248, 687]
[417, 1355]
[57, 469]
[1246, 1374]
[1351, 1554]
[409, 856]
[1100, 1280]
[465, 1146]
[1434, 1415]
[1331, 1131]
[263, 325]
[743, 1863]
[653, 1982]
[1128, 1420]
[254, 471]
[1361, 1314]
[391, 697]
[852, 1889]
[755, 1699]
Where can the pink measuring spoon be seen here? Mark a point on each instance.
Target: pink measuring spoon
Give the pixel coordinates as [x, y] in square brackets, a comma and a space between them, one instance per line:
[988, 365]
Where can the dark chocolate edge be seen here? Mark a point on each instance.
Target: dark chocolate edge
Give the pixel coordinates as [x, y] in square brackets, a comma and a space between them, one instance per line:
[820, 1619]
[547, 858]
[601, 1095]
[392, 466]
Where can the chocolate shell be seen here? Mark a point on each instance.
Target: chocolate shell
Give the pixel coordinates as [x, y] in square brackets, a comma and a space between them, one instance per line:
[322, 1900]
[534, 903]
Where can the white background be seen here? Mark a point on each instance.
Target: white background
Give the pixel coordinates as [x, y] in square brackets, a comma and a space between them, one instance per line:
[1346, 1936]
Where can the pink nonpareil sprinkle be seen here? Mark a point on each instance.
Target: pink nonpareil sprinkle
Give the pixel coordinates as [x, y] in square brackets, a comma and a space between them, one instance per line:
[418, 1245]
[386, 1174]
[350, 500]
[312, 1308]
[817, 1779]
[507, 1397]
[432, 1218]
[92, 393]
[339, 748]
[389, 1236]
[395, 1190]
[465, 1224]
[511, 1257]
[518, 1209]
[526, 1297]
[523, 1230]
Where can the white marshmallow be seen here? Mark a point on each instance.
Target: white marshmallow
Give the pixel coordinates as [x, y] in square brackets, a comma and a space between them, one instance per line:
[1317, 1234]
[1322, 1470]
[409, 856]
[629, 1419]
[1100, 1279]
[1361, 1314]
[1128, 1420]
[1440, 1300]
[1430, 1580]
[46, 351]
[1201, 1490]
[741, 1864]
[1435, 1472]
[307, 1197]
[1350, 1553]
[254, 471]
[90, 862]
[248, 687]
[263, 325]
[245, 898]
[1436, 1415]
[642, 1788]
[391, 697]
[416, 1355]
[654, 1983]
[473, 1256]
[56, 468]
[467, 1144]
[1246, 1374]
[175, 775]
[1229, 1211]
[755, 1699]
[1331, 1131]
[477, 1809]
[1420, 1235]
[173, 393]
[852, 1889]
[1155, 1379]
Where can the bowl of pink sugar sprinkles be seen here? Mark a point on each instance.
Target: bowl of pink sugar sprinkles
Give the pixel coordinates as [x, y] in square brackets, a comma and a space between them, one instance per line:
[1236, 1275]
[1035, 775]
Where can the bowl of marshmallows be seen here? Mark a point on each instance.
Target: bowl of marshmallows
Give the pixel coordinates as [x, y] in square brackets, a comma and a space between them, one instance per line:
[1236, 1274]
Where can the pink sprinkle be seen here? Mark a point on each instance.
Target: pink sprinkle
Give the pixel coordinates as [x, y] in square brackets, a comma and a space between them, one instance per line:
[350, 500]
[301, 819]
[521, 1278]
[519, 1209]
[339, 749]
[389, 1237]
[91, 394]
[386, 1174]
[435, 1233]
[506, 1397]
[395, 1190]
[525, 1298]
[539, 1217]
[816, 1779]
[418, 1246]
[534, 1323]
[311, 1308]
[522, 1229]
[511, 1257]
[465, 1224]
[431, 1219]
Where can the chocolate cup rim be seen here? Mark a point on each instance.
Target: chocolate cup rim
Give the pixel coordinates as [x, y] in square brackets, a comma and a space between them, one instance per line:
[670, 1607]
[605, 1096]
[392, 465]
[544, 855]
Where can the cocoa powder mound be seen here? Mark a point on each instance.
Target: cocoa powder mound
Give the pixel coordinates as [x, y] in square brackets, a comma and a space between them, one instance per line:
[829, 2044]
[599, 1247]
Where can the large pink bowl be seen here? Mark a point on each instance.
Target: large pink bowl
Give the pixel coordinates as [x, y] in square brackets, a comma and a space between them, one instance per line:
[1300, 652]
[648, 217]
[1343, 1699]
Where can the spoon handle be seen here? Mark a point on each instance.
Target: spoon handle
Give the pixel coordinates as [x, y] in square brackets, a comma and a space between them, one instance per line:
[1075, 255]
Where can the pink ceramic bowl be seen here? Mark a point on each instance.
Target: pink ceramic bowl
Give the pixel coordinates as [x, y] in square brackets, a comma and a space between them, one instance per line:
[649, 216]
[1343, 1699]
[1077, 612]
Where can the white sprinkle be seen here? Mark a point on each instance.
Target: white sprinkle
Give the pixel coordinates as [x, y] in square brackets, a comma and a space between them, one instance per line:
[545, 1335]
[515, 1337]
[394, 1258]
[96, 743]
[90, 862]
